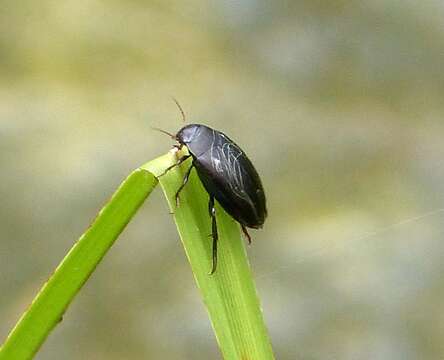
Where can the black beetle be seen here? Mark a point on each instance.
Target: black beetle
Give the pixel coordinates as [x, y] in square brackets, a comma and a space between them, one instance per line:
[226, 174]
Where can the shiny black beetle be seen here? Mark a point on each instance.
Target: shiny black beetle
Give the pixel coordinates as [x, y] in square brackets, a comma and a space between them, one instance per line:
[226, 174]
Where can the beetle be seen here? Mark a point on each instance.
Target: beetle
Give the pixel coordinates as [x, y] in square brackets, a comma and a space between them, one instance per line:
[227, 175]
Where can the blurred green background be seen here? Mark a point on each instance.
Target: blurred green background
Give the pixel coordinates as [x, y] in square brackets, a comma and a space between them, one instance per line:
[340, 106]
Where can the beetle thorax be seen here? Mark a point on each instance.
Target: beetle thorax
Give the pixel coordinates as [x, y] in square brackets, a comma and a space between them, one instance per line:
[188, 133]
[196, 137]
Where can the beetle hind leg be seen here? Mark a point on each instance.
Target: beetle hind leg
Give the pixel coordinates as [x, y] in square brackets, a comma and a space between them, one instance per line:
[247, 235]
[212, 211]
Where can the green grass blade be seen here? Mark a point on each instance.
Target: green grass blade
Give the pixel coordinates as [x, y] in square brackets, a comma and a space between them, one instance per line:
[49, 305]
[229, 294]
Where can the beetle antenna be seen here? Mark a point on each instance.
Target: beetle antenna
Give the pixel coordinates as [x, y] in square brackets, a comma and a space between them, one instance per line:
[180, 108]
[165, 132]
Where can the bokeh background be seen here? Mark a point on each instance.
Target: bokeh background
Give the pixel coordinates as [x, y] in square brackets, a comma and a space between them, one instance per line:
[340, 106]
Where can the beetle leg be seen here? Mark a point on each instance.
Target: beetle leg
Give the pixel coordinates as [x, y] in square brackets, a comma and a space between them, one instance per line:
[212, 212]
[184, 182]
[180, 161]
[247, 235]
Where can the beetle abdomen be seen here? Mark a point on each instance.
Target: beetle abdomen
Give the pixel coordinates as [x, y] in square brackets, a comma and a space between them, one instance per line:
[228, 175]
[242, 209]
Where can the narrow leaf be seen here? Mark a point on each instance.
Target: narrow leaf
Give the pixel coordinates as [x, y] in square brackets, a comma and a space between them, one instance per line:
[229, 294]
[48, 307]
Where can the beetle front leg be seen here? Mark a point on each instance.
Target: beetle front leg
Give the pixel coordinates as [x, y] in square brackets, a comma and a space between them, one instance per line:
[212, 211]
[184, 182]
[180, 161]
